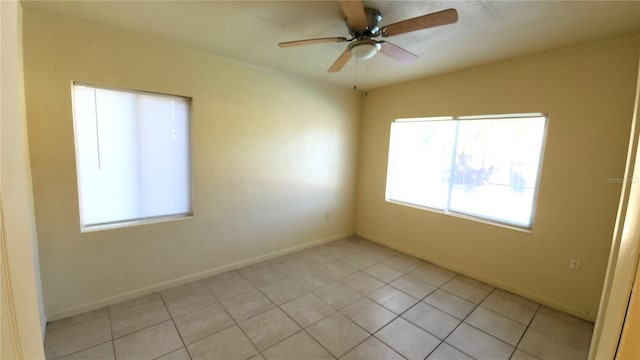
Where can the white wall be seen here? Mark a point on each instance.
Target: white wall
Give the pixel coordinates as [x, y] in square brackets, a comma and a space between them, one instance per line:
[588, 93]
[274, 163]
[22, 317]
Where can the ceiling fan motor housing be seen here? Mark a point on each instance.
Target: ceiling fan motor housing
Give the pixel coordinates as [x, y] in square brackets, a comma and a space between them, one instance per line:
[373, 19]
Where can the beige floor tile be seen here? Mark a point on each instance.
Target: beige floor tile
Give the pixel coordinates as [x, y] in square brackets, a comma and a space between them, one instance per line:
[137, 316]
[149, 343]
[545, 347]
[407, 339]
[587, 325]
[368, 314]
[265, 276]
[474, 282]
[228, 285]
[307, 309]
[349, 275]
[180, 354]
[312, 279]
[450, 303]
[517, 298]
[571, 334]
[337, 295]
[246, 305]
[334, 255]
[100, 352]
[283, 291]
[509, 308]
[338, 270]
[335, 250]
[133, 303]
[375, 256]
[228, 344]
[465, 290]
[393, 299]
[185, 298]
[337, 334]
[74, 320]
[505, 329]
[445, 351]
[269, 328]
[372, 349]
[379, 254]
[383, 273]
[478, 344]
[412, 286]
[434, 321]
[77, 336]
[202, 322]
[313, 257]
[358, 261]
[291, 265]
[521, 355]
[363, 283]
[433, 274]
[404, 263]
[299, 346]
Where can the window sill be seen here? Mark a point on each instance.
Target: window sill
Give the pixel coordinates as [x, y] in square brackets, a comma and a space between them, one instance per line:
[138, 222]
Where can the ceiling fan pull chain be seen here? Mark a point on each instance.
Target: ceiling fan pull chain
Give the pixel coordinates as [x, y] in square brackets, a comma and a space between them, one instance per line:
[365, 83]
[355, 76]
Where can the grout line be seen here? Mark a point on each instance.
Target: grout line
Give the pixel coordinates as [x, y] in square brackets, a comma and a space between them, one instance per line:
[302, 329]
[166, 307]
[463, 319]
[83, 349]
[92, 346]
[232, 318]
[113, 340]
[525, 331]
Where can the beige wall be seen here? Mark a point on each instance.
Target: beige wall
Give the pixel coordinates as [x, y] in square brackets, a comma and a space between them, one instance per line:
[588, 92]
[274, 163]
[20, 318]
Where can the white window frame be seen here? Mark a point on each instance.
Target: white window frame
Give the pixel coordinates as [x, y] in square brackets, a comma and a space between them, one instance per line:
[460, 214]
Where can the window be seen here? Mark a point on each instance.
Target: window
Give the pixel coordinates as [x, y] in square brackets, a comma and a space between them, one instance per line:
[484, 167]
[132, 156]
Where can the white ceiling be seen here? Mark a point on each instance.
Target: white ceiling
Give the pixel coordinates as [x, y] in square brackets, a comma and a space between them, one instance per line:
[249, 31]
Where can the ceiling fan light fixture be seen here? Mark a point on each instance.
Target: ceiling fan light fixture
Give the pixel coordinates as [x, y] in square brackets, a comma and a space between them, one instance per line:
[364, 49]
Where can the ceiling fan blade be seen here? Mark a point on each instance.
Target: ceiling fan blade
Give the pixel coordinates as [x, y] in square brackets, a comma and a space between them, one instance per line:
[354, 11]
[397, 52]
[312, 41]
[340, 62]
[444, 17]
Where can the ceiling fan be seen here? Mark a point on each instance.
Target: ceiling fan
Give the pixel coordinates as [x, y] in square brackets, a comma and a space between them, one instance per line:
[363, 27]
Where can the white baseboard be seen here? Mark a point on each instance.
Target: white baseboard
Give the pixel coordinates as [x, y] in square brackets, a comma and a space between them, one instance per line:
[539, 299]
[185, 279]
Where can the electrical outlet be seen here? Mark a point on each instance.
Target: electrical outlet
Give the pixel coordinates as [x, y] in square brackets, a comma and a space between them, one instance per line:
[574, 264]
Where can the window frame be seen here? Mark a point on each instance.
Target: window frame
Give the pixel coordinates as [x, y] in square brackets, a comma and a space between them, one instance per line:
[468, 216]
[116, 224]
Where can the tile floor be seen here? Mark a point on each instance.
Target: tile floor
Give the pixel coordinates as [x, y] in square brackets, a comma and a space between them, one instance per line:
[348, 299]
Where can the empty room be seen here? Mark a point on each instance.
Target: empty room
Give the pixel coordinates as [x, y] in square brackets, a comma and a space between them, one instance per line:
[320, 180]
